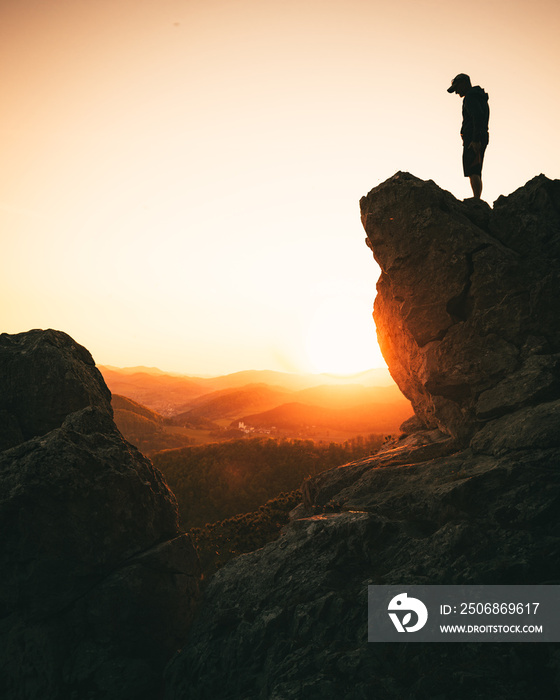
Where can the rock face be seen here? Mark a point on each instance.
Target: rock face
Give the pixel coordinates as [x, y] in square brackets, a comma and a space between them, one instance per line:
[464, 308]
[469, 494]
[98, 584]
[45, 377]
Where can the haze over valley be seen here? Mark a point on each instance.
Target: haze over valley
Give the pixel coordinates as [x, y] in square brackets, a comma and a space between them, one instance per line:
[156, 410]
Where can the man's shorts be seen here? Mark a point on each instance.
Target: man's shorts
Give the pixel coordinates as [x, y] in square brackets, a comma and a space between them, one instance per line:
[472, 162]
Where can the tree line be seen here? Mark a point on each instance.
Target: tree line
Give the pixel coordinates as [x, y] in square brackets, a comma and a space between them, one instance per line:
[216, 481]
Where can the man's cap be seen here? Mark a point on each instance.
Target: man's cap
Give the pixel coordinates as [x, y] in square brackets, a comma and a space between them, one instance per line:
[458, 79]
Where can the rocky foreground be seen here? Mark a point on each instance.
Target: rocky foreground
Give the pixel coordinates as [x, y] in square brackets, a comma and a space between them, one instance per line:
[467, 319]
[98, 584]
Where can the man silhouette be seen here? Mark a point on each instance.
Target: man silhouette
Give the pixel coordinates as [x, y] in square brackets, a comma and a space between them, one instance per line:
[474, 129]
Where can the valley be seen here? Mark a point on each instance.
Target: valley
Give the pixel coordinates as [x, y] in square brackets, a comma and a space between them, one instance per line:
[156, 410]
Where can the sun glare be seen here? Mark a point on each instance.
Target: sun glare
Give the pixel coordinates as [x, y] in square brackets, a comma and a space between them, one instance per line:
[341, 338]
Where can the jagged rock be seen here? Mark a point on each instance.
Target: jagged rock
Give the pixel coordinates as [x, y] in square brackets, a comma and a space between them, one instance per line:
[531, 428]
[538, 379]
[44, 376]
[417, 447]
[464, 297]
[412, 425]
[469, 494]
[98, 584]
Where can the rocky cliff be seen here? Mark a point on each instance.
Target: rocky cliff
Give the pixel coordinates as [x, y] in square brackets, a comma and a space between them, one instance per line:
[470, 493]
[465, 307]
[98, 584]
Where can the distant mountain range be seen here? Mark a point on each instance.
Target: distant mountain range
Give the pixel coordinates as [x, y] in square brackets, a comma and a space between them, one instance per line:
[169, 393]
[164, 393]
[181, 409]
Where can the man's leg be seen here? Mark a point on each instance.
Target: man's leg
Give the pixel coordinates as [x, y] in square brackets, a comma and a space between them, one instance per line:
[476, 184]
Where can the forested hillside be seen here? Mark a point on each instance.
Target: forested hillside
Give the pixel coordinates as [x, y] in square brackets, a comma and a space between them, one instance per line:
[216, 481]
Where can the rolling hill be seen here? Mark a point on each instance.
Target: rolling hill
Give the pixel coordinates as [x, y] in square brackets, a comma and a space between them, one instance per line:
[161, 392]
[315, 420]
[170, 394]
[168, 408]
[144, 428]
[232, 403]
[348, 395]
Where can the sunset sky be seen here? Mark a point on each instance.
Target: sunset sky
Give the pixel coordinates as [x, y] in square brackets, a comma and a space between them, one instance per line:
[179, 179]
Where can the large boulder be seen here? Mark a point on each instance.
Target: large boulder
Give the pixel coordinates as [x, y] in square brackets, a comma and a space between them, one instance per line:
[464, 309]
[44, 376]
[469, 494]
[98, 584]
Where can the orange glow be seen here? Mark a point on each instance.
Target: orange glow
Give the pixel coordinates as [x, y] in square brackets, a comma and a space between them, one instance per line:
[179, 178]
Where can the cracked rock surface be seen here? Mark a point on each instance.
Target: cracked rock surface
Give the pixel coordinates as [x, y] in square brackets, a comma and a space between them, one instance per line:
[98, 584]
[466, 302]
